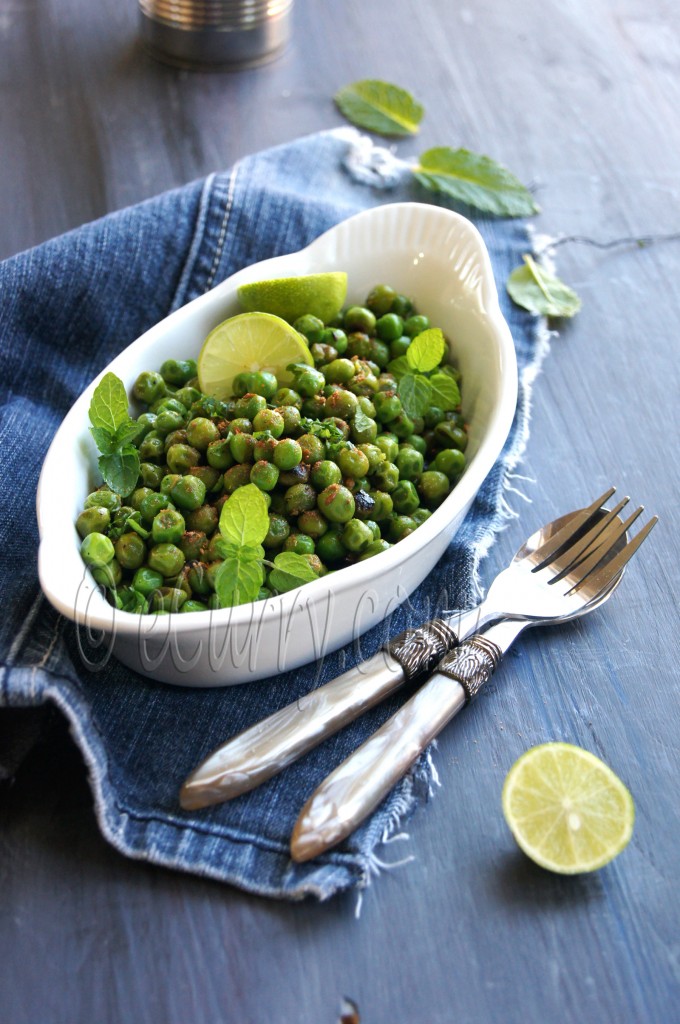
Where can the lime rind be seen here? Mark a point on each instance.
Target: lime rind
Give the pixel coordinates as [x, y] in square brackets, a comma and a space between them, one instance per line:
[566, 809]
[321, 295]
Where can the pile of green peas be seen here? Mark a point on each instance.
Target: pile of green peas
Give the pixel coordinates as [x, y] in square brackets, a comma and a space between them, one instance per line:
[345, 471]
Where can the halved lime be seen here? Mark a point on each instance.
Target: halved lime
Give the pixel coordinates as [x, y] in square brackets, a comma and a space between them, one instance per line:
[249, 342]
[321, 295]
[567, 810]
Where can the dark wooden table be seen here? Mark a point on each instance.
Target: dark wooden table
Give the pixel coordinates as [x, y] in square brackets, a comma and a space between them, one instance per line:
[580, 99]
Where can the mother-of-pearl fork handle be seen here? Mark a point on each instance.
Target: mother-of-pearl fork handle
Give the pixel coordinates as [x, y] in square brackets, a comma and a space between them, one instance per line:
[358, 785]
[266, 748]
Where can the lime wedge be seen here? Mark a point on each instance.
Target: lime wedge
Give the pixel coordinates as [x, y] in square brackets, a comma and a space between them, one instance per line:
[567, 810]
[249, 342]
[321, 295]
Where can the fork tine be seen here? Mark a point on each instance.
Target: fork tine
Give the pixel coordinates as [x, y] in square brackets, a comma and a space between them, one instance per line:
[598, 579]
[551, 547]
[579, 571]
[587, 545]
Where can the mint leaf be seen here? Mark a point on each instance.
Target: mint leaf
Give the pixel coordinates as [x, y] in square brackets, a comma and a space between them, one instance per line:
[415, 393]
[361, 421]
[120, 470]
[380, 107]
[244, 519]
[426, 350]
[126, 432]
[290, 571]
[475, 180]
[105, 440]
[109, 405]
[533, 288]
[445, 391]
[239, 578]
[398, 367]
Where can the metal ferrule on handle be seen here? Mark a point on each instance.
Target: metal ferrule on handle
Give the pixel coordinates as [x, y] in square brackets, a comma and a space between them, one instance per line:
[359, 784]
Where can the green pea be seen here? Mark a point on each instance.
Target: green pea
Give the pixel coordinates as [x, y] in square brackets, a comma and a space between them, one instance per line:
[103, 498]
[152, 504]
[218, 454]
[166, 559]
[152, 447]
[410, 464]
[264, 475]
[192, 605]
[387, 406]
[188, 492]
[310, 326]
[167, 527]
[167, 421]
[389, 327]
[418, 442]
[288, 396]
[449, 461]
[386, 477]
[342, 404]
[279, 531]
[168, 482]
[312, 523]
[340, 371]
[356, 535]
[336, 338]
[130, 550]
[420, 515]
[193, 543]
[95, 519]
[433, 416]
[188, 396]
[313, 448]
[237, 476]
[287, 454]
[151, 475]
[400, 527]
[145, 422]
[291, 419]
[380, 299]
[388, 445]
[242, 384]
[374, 455]
[149, 387]
[178, 371]
[376, 547]
[109, 575]
[199, 580]
[299, 498]
[434, 486]
[402, 425]
[364, 431]
[450, 436]
[314, 408]
[249, 405]
[241, 425]
[201, 432]
[180, 458]
[405, 497]
[383, 505]
[415, 325]
[324, 473]
[211, 477]
[300, 544]
[264, 383]
[399, 346]
[353, 462]
[336, 503]
[271, 420]
[167, 599]
[242, 447]
[359, 318]
[146, 580]
[96, 550]
[330, 548]
[359, 345]
[402, 305]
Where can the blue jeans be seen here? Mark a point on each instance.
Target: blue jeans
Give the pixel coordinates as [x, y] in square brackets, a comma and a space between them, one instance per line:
[66, 308]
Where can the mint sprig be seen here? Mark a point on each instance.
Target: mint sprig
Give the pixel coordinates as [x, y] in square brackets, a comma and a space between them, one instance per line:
[244, 524]
[475, 180]
[113, 430]
[534, 288]
[419, 386]
[380, 107]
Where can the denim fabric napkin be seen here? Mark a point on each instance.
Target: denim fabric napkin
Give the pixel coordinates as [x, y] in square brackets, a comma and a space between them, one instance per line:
[66, 308]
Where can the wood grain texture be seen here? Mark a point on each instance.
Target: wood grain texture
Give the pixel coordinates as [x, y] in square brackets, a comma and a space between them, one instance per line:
[581, 100]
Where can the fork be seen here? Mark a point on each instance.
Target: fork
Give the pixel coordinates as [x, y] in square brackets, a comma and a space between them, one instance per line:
[267, 747]
[357, 786]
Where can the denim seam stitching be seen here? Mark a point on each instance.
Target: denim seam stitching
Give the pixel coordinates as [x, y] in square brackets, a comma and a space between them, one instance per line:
[223, 228]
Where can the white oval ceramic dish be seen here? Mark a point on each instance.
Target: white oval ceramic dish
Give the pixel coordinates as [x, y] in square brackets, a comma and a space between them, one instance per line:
[433, 255]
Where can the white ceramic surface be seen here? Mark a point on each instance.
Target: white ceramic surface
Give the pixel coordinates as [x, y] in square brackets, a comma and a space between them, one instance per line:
[433, 255]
